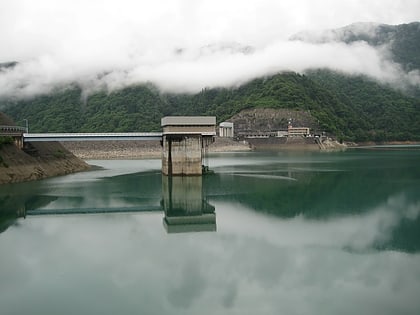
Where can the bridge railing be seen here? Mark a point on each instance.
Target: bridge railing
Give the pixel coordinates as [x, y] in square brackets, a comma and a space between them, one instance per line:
[37, 137]
[11, 129]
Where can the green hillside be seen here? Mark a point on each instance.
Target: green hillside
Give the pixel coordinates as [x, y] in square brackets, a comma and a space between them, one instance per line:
[383, 113]
[351, 108]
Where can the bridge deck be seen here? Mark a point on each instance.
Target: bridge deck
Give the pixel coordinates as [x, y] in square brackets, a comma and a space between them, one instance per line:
[110, 136]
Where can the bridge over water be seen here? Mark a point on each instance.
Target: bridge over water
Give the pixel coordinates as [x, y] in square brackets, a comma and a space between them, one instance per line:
[184, 140]
[105, 136]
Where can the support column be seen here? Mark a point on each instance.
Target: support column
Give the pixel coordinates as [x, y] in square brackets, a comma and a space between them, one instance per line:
[182, 155]
[183, 143]
[18, 141]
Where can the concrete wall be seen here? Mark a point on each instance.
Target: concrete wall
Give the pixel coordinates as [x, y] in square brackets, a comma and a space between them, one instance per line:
[18, 141]
[210, 130]
[182, 155]
[182, 141]
[188, 120]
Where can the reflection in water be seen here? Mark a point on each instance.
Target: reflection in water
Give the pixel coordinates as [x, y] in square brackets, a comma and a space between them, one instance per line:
[183, 203]
[16, 206]
[341, 238]
[185, 208]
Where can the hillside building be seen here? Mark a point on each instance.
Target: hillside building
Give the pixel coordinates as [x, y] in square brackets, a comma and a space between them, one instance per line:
[297, 131]
[226, 129]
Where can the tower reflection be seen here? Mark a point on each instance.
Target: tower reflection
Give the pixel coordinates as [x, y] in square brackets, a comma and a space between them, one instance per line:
[185, 207]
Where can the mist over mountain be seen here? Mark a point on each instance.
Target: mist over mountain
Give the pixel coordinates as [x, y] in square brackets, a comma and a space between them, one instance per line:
[349, 108]
[386, 53]
[400, 42]
[369, 91]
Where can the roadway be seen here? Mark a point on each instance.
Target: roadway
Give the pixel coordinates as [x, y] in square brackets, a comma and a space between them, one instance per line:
[109, 136]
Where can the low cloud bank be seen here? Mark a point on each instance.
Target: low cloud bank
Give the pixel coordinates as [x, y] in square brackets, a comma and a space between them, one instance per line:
[192, 69]
[184, 45]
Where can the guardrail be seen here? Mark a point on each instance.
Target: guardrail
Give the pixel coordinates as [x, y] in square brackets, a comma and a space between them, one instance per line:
[40, 137]
[9, 129]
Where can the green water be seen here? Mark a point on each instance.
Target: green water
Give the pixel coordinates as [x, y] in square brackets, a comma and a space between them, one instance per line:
[268, 233]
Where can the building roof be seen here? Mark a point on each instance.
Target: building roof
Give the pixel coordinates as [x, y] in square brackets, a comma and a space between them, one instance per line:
[188, 121]
[226, 124]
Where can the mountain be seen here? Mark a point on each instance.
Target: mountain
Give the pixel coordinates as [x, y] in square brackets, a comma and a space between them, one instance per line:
[351, 108]
[355, 108]
[402, 41]
[383, 113]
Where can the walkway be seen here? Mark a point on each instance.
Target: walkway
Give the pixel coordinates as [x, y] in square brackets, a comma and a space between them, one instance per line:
[111, 136]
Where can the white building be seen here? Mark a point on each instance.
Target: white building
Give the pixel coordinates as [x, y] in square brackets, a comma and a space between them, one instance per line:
[297, 131]
[226, 129]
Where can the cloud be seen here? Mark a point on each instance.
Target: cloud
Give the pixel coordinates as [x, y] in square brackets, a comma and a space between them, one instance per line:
[181, 45]
[192, 70]
[253, 264]
[359, 233]
[190, 286]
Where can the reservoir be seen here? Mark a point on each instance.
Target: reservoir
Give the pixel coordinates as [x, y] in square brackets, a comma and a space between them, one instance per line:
[267, 233]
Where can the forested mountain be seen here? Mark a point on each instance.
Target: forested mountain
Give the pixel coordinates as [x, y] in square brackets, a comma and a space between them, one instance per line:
[353, 108]
[379, 112]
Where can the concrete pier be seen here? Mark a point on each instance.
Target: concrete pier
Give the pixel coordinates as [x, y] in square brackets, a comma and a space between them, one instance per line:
[184, 142]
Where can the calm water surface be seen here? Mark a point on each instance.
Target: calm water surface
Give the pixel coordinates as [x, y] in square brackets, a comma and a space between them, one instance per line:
[268, 233]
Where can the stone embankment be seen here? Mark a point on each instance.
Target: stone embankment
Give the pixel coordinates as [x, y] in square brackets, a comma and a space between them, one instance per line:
[99, 150]
[91, 150]
[295, 143]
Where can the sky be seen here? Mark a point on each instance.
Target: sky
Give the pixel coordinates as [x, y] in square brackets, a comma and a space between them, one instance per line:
[183, 45]
[255, 264]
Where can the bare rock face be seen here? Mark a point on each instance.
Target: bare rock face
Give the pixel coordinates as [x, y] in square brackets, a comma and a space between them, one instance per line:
[270, 119]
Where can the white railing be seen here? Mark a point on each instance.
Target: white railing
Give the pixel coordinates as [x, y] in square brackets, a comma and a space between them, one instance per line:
[105, 136]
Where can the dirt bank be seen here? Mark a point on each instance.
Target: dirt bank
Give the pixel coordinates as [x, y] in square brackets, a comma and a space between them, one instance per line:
[41, 160]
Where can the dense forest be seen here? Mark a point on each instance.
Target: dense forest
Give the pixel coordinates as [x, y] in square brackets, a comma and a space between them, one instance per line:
[352, 108]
